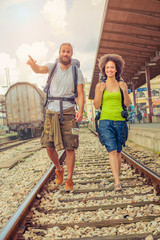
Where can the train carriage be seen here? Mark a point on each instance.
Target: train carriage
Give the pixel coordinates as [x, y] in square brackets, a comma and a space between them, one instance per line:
[25, 109]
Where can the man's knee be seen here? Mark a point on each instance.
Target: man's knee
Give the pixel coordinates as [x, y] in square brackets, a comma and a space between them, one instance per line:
[50, 149]
[71, 151]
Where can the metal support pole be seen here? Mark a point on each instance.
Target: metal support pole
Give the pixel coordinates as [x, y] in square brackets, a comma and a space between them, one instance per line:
[134, 95]
[149, 94]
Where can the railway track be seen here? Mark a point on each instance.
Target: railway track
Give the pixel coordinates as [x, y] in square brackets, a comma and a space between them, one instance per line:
[92, 210]
[148, 158]
[11, 144]
[152, 177]
[8, 159]
[8, 142]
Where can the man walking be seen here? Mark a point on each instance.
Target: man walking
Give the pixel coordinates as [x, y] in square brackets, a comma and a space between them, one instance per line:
[59, 128]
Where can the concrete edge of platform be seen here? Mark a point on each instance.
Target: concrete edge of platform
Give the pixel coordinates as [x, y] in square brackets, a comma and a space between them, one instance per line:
[145, 138]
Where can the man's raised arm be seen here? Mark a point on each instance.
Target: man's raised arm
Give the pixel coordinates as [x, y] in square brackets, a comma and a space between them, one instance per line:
[35, 67]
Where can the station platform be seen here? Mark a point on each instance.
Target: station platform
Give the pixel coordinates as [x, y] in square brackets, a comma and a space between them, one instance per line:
[146, 135]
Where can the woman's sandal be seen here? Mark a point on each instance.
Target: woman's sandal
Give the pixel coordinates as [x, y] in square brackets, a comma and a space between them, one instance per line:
[117, 187]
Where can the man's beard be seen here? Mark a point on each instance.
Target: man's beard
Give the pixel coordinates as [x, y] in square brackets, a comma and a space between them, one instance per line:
[66, 62]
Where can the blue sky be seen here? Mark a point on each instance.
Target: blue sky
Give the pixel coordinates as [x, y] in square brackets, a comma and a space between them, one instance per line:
[38, 27]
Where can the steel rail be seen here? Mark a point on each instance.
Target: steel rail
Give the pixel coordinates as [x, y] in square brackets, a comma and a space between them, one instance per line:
[8, 142]
[152, 177]
[16, 144]
[14, 223]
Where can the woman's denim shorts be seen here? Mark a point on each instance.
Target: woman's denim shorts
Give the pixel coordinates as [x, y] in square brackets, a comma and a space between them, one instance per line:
[113, 134]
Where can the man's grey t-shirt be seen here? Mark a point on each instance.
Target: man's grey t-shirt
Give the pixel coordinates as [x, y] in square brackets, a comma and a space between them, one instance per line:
[62, 85]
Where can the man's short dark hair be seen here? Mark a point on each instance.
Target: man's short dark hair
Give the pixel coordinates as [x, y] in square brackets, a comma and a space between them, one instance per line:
[66, 44]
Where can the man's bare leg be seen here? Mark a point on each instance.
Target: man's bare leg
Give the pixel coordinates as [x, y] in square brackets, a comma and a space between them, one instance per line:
[54, 157]
[59, 169]
[70, 158]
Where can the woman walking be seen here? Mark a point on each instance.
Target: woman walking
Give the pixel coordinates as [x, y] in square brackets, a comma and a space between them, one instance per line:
[112, 125]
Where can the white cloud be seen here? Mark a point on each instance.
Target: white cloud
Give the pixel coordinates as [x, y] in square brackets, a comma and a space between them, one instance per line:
[86, 62]
[14, 70]
[8, 70]
[84, 22]
[42, 52]
[55, 11]
[6, 61]
[80, 26]
[96, 2]
[83, 32]
[37, 50]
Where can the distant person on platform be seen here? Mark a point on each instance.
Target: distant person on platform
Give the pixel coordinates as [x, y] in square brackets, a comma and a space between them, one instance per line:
[139, 115]
[113, 128]
[131, 111]
[59, 135]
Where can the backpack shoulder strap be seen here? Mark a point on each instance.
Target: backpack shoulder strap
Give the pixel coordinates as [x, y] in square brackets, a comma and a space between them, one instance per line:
[76, 62]
[46, 88]
[122, 96]
[102, 79]
[52, 72]
[75, 79]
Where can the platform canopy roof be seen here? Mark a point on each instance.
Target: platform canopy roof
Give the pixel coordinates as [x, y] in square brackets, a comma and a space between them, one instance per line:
[130, 28]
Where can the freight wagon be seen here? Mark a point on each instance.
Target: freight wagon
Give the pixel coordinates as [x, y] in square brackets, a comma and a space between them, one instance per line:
[25, 110]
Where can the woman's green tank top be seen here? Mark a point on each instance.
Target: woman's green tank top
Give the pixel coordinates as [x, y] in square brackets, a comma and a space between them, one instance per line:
[111, 106]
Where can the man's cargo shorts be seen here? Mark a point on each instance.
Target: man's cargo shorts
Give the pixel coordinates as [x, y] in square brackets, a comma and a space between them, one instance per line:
[70, 141]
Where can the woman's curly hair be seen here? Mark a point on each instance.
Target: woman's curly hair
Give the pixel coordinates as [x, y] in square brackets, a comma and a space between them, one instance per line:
[117, 59]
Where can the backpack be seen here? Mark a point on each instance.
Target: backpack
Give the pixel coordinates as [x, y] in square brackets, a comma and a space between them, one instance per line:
[75, 65]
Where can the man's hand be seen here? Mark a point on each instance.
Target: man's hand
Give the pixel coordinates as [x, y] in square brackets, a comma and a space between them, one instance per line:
[78, 117]
[31, 61]
[35, 67]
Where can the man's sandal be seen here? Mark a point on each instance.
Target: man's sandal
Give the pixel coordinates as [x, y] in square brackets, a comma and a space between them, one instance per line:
[117, 187]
